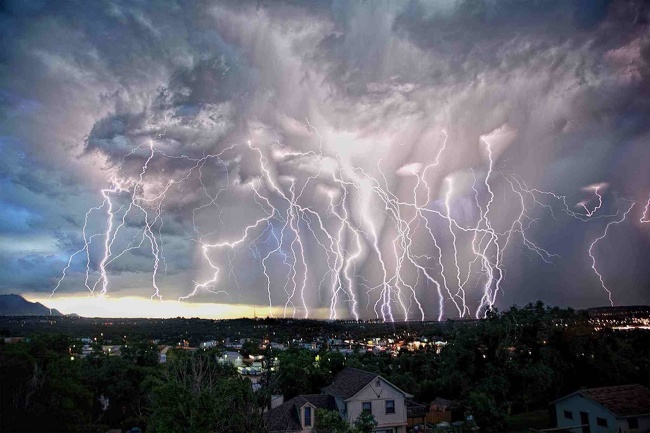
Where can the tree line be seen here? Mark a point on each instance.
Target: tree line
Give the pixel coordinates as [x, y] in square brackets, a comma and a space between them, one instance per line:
[513, 361]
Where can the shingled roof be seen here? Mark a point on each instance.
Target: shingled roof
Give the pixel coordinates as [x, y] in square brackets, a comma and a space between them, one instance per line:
[442, 403]
[285, 417]
[349, 382]
[622, 400]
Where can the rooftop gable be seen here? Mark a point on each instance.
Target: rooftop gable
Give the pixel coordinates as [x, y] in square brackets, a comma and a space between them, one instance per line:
[350, 381]
[622, 400]
[286, 416]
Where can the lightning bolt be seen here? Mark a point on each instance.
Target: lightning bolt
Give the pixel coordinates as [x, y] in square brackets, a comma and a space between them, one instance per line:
[600, 238]
[645, 216]
[589, 213]
[348, 213]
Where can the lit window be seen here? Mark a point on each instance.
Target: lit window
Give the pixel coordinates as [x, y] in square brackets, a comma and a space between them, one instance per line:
[568, 414]
[390, 406]
[367, 407]
[307, 416]
[601, 422]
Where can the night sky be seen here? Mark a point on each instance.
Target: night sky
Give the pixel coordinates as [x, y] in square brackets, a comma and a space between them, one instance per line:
[330, 159]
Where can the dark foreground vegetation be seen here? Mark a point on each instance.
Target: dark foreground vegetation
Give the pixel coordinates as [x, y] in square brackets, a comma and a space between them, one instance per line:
[513, 362]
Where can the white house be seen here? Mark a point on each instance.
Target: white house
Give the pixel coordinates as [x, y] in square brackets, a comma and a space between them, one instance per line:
[233, 358]
[352, 392]
[208, 344]
[278, 346]
[162, 355]
[616, 409]
[356, 391]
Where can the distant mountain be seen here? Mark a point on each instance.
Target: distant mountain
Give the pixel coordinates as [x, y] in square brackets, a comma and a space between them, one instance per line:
[16, 305]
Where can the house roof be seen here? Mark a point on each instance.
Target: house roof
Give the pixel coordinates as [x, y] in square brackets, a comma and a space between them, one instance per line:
[349, 382]
[622, 400]
[285, 418]
[442, 403]
[319, 401]
[415, 410]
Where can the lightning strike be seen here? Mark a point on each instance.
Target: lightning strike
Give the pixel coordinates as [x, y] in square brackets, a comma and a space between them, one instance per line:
[349, 214]
[645, 216]
[593, 245]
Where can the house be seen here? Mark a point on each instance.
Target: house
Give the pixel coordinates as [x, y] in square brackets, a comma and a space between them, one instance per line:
[276, 400]
[86, 350]
[278, 346]
[617, 409]
[111, 350]
[208, 344]
[298, 413]
[233, 358]
[12, 340]
[352, 392]
[162, 355]
[443, 410]
[416, 413]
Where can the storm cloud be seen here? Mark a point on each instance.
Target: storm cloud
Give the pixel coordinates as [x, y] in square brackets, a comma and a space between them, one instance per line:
[345, 101]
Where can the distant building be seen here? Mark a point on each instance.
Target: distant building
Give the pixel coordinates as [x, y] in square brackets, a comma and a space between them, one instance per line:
[11, 340]
[86, 350]
[313, 346]
[443, 410]
[617, 409]
[276, 400]
[619, 312]
[278, 346]
[620, 318]
[232, 358]
[208, 344]
[439, 345]
[111, 350]
[162, 355]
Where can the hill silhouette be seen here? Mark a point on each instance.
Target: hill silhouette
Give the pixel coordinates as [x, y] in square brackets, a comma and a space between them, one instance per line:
[16, 305]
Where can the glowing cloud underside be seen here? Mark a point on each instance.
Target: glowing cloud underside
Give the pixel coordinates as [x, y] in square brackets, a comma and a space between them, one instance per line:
[327, 160]
[351, 215]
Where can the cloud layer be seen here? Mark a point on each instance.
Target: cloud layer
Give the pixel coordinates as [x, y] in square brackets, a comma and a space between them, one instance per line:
[346, 103]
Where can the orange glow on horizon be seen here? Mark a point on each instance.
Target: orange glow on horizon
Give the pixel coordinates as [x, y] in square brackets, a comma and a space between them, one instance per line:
[141, 307]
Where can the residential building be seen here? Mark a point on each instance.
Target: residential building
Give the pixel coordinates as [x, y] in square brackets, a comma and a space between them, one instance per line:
[111, 350]
[278, 346]
[86, 350]
[208, 344]
[616, 409]
[298, 413]
[233, 358]
[443, 410]
[162, 355]
[352, 392]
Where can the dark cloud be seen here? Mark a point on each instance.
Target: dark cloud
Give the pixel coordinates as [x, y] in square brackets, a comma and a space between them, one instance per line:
[87, 90]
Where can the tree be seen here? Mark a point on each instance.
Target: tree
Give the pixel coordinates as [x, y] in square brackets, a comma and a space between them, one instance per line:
[141, 353]
[42, 384]
[331, 421]
[199, 395]
[365, 423]
[489, 416]
[299, 373]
